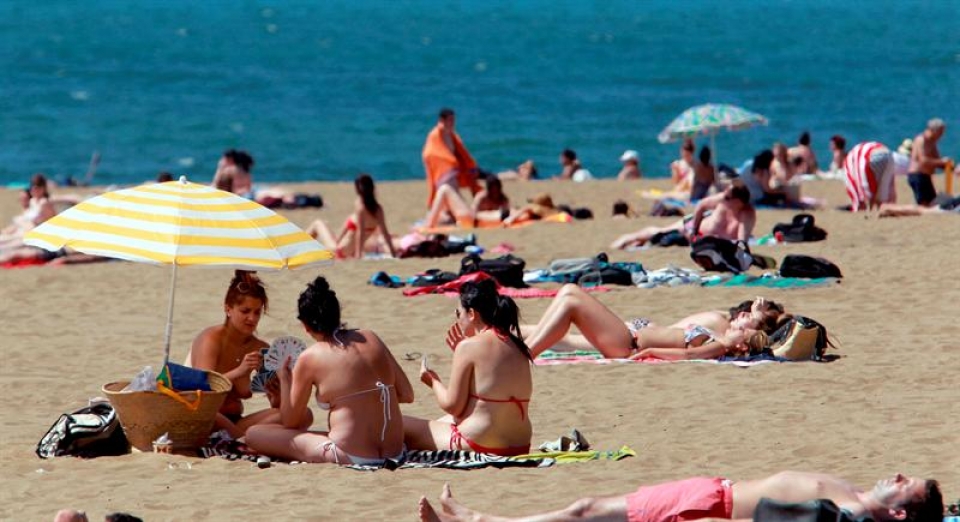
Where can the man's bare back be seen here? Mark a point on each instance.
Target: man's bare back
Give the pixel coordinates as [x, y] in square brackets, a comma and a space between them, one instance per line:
[729, 217]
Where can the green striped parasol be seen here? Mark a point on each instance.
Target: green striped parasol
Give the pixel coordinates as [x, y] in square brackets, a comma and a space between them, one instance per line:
[709, 119]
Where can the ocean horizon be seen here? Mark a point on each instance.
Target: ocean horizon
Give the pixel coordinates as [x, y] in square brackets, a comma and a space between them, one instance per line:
[322, 91]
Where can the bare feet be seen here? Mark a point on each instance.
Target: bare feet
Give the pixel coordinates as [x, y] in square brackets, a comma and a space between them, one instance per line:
[453, 511]
[426, 511]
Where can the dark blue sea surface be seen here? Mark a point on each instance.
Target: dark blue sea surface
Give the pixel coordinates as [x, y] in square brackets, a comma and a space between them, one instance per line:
[323, 90]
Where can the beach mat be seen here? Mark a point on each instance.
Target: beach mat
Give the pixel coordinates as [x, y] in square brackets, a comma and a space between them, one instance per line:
[769, 281]
[446, 459]
[552, 358]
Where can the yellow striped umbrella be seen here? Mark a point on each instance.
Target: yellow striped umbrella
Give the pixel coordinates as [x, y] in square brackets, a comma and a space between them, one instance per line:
[180, 223]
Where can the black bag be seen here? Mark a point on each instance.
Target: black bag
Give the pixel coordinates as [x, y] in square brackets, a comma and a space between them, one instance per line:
[671, 238]
[507, 270]
[721, 255]
[822, 510]
[91, 431]
[432, 247]
[801, 229]
[808, 267]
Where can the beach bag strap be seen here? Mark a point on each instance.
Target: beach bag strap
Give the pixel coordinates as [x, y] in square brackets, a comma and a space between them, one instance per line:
[176, 377]
[192, 406]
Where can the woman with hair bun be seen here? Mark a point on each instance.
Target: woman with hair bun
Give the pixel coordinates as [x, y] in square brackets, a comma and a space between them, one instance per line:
[357, 380]
[488, 396]
[233, 349]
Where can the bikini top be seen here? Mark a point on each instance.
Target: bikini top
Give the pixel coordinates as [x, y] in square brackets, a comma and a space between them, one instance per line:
[514, 400]
[383, 389]
[694, 332]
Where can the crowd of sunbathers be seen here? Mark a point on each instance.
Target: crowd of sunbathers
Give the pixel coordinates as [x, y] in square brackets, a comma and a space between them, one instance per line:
[486, 398]
[485, 402]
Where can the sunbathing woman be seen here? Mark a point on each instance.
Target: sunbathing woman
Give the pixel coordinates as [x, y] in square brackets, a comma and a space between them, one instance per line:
[704, 335]
[357, 380]
[489, 206]
[360, 227]
[490, 385]
[233, 349]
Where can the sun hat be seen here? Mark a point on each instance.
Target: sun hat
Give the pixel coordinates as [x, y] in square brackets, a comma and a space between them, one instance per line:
[630, 155]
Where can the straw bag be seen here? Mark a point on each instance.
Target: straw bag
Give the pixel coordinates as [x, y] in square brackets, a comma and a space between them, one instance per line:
[146, 415]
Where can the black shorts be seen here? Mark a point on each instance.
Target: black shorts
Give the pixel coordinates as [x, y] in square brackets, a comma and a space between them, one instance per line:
[922, 185]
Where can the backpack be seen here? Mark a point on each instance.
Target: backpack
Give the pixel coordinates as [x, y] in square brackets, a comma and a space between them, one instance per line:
[801, 229]
[721, 255]
[507, 269]
[91, 431]
[800, 339]
[808, 267]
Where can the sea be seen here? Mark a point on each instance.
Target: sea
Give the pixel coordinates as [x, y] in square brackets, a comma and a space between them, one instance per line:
[325, 89]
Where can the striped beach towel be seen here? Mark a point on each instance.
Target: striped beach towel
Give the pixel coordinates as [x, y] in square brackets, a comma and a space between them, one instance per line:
[869, 175]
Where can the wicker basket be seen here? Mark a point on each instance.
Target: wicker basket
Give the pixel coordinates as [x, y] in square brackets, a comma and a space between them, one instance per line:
[146, 415]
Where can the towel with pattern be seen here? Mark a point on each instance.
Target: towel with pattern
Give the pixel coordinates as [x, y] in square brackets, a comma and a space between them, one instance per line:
[550, 358]
[449, 459]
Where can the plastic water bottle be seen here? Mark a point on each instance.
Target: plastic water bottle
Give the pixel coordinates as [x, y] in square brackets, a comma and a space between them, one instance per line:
[474, 249]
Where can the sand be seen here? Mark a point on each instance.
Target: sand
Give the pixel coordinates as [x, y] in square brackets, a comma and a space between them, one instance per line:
[888, 405]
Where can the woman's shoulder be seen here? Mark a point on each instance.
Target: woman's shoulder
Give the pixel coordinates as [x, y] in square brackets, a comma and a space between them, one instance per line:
[210, 333]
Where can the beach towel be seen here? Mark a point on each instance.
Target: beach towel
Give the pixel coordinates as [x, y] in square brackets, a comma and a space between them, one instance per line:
[23, 263]
[769, 281]
[551, 358]
[560, 217]
[224, 447]
[869, 175]
[438, 161]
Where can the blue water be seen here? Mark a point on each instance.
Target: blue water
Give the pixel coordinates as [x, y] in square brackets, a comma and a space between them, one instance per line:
[322, 90]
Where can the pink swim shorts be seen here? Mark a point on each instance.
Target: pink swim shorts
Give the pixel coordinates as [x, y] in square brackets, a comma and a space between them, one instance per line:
[689, 499]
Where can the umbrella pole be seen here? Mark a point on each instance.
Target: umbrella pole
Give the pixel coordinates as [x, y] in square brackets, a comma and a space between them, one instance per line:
[169, 330]
[713, 149]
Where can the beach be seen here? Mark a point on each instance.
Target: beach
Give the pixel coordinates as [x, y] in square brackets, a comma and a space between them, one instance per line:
[887, 405]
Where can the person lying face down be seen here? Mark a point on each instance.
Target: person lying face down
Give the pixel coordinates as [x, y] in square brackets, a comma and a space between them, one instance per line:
[897, 498]
[703, 335]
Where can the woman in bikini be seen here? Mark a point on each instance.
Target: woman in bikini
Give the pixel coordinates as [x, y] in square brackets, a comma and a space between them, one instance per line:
[357, 381]
[704, 335]
[488, 395]
[360, 227]
[233, 349]
[490, 205]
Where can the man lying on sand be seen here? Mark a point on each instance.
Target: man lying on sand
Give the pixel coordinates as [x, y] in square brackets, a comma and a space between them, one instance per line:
[896, 498]
[728, 215]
